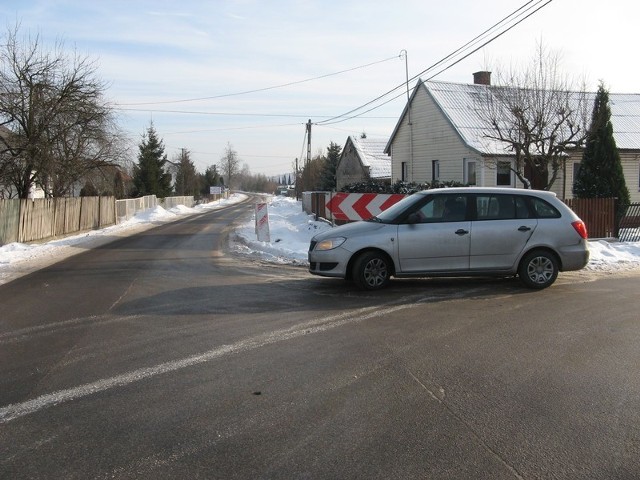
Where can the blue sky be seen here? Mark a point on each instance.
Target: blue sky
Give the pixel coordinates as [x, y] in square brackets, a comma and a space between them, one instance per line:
[165, 60]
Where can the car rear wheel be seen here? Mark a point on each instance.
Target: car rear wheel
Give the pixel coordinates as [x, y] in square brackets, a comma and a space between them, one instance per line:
[538, 269]
[371, 271]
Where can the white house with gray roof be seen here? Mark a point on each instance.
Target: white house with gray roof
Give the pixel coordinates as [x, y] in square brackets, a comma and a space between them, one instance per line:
[441, 136]
[363, 159]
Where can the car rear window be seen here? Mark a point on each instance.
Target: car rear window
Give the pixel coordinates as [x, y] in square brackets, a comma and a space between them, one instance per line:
[544, 209]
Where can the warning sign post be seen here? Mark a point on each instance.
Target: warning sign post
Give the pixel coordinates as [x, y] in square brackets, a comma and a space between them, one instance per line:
[262, 222]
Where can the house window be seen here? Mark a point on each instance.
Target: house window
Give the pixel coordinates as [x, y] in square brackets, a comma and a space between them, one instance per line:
[435, 170]
[504, 175]
[405, 172]
[470, 172]
[576, 171]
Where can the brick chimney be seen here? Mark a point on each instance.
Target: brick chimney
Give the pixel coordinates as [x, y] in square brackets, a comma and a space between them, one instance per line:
[482, 78]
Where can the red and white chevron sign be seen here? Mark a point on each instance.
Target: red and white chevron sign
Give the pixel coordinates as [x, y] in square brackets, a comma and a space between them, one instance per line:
[359, 206]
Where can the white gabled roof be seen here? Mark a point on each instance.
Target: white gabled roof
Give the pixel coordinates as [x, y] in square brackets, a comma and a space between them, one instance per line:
[372, 155]
[459, 103]
[625, 118]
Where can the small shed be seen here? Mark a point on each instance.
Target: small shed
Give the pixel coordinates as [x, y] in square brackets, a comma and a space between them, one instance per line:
[363, 159]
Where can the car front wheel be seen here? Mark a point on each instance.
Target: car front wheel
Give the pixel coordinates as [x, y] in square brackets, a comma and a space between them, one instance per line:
[371, 271]
[538, 269]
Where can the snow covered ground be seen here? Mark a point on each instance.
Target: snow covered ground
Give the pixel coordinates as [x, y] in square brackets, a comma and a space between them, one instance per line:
[290, 231]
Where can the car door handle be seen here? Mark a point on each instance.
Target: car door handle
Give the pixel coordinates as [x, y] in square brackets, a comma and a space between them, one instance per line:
[524, 228]
[462, 231]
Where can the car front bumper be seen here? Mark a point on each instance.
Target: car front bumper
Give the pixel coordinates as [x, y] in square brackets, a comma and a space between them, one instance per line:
[329, 263]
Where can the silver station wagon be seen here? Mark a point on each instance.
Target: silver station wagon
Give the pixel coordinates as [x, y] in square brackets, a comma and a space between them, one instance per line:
[463, 231]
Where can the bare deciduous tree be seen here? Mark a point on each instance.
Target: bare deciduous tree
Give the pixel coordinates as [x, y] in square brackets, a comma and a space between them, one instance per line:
[230, 166]
[538, 116]
[60, 124]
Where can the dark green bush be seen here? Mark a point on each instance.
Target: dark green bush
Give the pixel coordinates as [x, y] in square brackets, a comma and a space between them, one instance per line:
[373, 186]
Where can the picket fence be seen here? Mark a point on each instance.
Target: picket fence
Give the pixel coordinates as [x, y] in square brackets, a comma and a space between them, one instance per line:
[30, 220]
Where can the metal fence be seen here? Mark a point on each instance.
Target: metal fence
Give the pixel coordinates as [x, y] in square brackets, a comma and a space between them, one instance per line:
[629, 226]
[172, 202]
[126, 209]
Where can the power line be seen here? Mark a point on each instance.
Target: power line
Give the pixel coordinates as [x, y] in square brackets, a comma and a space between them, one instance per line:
[226, 114]
[249, 127]
[522, 10]
[360, 115]
[515, 18]
[232, 114]
[439, 62]
[265, 88]
[494, 38]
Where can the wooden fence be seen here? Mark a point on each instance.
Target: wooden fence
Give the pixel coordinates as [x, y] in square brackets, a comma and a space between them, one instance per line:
[9, 221]
[599, 214]
[29, 220]
[45, 218]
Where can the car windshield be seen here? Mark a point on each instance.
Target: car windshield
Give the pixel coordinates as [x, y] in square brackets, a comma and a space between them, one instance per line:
[392, 213]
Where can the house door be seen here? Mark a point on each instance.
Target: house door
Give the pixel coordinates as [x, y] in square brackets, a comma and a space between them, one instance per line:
[537, 178]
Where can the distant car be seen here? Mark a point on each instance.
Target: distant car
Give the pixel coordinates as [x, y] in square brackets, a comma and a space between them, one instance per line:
[463, 231]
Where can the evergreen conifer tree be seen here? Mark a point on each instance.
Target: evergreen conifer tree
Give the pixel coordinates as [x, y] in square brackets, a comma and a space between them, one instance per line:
[187, 179]
[328, 175]
[149, 175]
[600, 174]
[211, 178]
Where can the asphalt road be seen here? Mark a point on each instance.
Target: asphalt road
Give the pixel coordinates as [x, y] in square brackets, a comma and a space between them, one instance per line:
[162, 356]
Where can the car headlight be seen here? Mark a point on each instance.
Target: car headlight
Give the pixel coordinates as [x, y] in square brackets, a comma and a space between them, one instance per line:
[330, 243]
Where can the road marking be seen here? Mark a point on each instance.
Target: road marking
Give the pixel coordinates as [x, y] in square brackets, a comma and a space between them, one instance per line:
[74, 323]
[17, 410]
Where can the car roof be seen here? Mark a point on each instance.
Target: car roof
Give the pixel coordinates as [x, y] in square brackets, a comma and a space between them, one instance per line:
[504, 190]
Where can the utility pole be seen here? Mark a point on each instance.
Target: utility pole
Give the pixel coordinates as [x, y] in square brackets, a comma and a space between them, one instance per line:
[406, 70]
[297, 181]
[183, 164]
[308, 142]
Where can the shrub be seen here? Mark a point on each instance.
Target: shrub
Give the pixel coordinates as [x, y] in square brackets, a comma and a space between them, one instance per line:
[406, 188]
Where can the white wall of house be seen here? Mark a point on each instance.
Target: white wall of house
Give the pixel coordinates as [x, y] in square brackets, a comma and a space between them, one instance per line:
[630, 167]
[433, 139]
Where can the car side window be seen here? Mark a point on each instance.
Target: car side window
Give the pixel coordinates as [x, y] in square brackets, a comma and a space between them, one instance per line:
[455, 208]
[522, 209]
[501, 207]
[544, 209]
[496, 207]
[443, 208]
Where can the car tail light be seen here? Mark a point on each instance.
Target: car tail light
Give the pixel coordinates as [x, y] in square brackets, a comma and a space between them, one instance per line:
[581, 228]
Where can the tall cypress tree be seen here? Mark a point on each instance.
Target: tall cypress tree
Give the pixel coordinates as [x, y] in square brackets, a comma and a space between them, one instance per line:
[149, 175]
[600, 174]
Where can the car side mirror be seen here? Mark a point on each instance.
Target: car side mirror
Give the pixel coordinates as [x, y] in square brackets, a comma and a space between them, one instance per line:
[413, 218]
